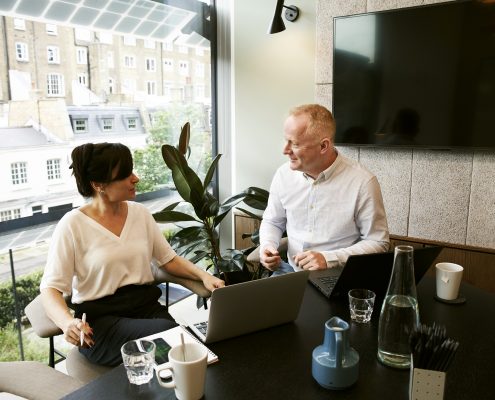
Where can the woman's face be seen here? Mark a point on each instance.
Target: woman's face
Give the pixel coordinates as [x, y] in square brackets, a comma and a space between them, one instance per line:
[122, 189]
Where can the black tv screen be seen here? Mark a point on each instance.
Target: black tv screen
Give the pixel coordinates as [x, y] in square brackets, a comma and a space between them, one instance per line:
[422, 76]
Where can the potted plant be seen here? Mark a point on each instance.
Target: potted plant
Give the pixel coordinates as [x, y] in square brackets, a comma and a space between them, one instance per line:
[198, 239]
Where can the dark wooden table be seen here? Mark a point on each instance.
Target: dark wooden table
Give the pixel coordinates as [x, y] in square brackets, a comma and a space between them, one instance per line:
[276, 363]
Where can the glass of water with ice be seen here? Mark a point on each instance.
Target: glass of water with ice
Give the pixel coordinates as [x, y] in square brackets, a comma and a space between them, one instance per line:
[139, 358]
[361, 302]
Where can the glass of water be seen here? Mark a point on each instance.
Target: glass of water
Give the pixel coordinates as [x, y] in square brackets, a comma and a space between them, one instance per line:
[361, 302]
[139, 358]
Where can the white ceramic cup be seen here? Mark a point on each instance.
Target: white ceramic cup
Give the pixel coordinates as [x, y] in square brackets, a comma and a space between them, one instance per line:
[449, 276]
[188, 377]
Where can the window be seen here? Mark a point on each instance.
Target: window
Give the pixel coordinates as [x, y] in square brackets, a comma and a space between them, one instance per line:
[53, 169]
[149, 44]
[110, 62]
[82, 34]
[7, 215]
[200, 51]
[83, 79]
[80, 125]
[21, 51]
[53, 55]
[151, 87]
[55, 85]
[183, 49]
[184, 68]
[111, 87]
[131, 123]
[168, 46]
[199, 92]
[19, 24]
[51, 29]
[130, 61]
[37, 209]
[167, 89]
[18, 173]
[129, 40]
[168, 64]
[200, 69]
[107, 124]
[105, 37]
[128, 86]
[150, 64]
[82, 55]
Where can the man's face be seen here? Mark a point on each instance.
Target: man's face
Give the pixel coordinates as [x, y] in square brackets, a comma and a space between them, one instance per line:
[304, 151]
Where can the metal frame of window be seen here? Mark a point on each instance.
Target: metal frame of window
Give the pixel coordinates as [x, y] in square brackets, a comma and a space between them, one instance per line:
[53, 169]
[18, 172]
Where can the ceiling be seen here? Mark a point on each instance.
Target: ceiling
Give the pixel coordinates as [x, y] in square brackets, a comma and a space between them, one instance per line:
[148, 19]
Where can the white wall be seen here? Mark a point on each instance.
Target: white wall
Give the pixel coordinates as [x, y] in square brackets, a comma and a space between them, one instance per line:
[271, 74]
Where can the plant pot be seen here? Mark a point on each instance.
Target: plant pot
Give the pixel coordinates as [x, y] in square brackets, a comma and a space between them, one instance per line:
[233, 277]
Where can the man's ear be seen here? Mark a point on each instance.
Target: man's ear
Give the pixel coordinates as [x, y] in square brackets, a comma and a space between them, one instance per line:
[325, 145]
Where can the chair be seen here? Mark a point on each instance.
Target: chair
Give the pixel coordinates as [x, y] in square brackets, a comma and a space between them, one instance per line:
[34, 380]
[77, 365]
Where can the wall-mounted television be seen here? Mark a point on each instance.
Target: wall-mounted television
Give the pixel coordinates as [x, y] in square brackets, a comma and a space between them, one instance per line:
[421, 76]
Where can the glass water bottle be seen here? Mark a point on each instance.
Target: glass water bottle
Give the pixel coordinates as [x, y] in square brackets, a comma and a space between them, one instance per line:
[399, 316]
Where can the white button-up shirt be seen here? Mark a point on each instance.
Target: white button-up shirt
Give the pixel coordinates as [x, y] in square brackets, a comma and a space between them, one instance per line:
[338, 214]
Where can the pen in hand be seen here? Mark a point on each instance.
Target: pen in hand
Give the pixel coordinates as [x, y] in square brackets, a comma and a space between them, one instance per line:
[82, 332]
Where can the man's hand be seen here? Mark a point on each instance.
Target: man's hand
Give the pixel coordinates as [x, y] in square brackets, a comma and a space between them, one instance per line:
[311, 260]
[270, 258]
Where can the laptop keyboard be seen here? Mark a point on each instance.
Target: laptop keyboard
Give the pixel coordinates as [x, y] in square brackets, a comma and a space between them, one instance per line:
[329, 280]
[202, 326]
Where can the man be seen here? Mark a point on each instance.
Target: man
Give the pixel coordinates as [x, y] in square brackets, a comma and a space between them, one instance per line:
[330, 206]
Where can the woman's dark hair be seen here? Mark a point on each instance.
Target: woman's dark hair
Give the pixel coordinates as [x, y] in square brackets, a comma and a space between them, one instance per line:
[95, 163]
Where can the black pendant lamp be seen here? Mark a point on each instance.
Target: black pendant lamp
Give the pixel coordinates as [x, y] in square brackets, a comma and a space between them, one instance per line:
[291, 14]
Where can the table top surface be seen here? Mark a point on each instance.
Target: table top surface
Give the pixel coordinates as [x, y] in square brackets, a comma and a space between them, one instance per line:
[276, 363]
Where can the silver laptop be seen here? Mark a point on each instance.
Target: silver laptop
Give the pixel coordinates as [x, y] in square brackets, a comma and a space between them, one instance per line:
[250, 306]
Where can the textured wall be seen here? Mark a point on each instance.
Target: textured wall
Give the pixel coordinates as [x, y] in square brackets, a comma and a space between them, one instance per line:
[439, 195]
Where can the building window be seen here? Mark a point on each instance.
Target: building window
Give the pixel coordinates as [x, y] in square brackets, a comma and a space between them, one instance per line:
[199, 92]
[184, 68]
[18, 173]
[7, 215]
[83, 79]
[37, 209]
[183, 49]
[55, 85]
[111, 87]
[149, 44]
[167, 89]
[82, 55]
[82, 34]
[53, 55]
[105, 37]
[19, 24]
[130, 61]
[53, 169]
[168, 46]
[200, 69]
[128, 86]
[107, 124]
[131, 124]
[51, 29]
[80, 125]
[151, 87]
[129, 40]
[150, 64]
[168, 64]
[21, 51]
[200, 51]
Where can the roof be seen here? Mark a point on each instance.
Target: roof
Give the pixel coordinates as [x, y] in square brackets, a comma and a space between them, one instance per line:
[22, 137]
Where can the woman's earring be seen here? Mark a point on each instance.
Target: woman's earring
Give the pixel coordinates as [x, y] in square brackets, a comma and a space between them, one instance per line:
[102, 192]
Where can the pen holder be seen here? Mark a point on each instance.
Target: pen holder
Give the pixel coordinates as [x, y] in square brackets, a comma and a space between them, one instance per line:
[425, 384]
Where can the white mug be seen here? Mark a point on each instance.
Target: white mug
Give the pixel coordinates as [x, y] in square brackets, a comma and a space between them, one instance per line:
[188, 367]
[449, 276]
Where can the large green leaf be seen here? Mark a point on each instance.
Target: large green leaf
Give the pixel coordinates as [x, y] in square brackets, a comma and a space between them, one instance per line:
[256, 197]
[247, 212]
[211, 171]
[185, 135]
[173, 216]
[185, 179]
[227, 205]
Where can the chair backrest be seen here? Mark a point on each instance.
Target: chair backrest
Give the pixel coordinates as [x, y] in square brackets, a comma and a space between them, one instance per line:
[42, 325]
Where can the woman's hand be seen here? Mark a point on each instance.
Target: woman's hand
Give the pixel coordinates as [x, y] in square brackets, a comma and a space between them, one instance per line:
[212, 282]
[74, 329]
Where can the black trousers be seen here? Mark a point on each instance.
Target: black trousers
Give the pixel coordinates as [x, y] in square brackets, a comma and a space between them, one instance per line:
[130, 313]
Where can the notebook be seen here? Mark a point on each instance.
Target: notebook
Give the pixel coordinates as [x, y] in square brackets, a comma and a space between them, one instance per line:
[369, 271]
[250, 306]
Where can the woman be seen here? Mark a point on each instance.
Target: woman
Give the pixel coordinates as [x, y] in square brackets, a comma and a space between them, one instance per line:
[101, 253]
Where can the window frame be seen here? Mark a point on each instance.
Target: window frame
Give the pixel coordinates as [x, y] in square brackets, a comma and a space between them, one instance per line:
[21, 51]
[54, 169]
[55, 89]
[19, 173]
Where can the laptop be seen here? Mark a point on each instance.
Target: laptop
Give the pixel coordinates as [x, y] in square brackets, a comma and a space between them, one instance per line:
[250, 306]
[369, 271]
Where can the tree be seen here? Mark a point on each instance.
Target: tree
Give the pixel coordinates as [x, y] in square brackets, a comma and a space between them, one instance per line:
[148, 162]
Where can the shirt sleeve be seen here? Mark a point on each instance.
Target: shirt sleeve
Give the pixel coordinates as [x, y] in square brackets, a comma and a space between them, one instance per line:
[274, 220]
[60, 265]
[372, 223]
